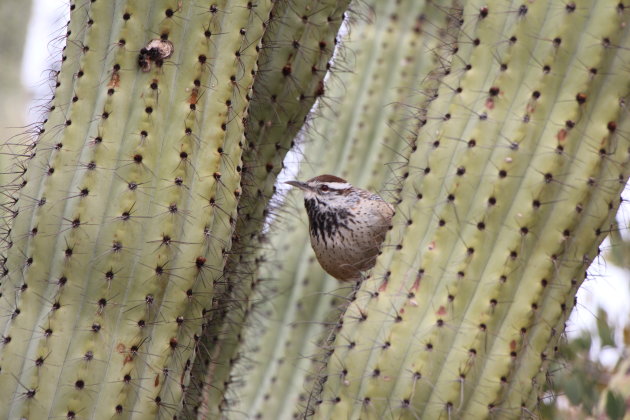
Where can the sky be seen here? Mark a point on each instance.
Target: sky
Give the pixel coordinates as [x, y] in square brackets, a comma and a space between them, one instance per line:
[607, 286]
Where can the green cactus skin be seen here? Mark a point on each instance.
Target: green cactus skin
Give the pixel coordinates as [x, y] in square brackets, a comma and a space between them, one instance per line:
[127, 210]
[282, 339]
[296, 49]
[511, 185]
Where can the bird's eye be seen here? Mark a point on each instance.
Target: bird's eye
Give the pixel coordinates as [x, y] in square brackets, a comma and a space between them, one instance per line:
[324, 188]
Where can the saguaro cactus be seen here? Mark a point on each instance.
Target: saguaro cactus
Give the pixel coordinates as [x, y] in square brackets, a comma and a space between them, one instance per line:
[510, 186]
[296, 301]
[127, 209]
[296, 50]
[151, 165]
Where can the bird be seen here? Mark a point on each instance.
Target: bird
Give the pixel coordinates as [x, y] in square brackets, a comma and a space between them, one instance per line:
[347, 225]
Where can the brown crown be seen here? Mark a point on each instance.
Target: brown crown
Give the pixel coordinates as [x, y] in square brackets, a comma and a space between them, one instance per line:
[327, 178]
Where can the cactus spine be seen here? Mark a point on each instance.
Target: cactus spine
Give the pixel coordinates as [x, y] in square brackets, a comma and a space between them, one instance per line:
[510, 186]
[127, 210]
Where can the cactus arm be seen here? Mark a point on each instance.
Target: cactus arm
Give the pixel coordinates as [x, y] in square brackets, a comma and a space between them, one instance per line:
[277, 391]
[294, 57]
[598, 203]
[138, 213]
[27, 289]
[464, 298]
[280, 361]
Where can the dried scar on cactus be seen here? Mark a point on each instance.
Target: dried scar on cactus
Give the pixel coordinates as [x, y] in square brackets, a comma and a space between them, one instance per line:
[156, 51]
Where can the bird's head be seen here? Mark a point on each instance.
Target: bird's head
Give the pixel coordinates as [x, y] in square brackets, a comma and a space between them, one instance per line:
[325, 190]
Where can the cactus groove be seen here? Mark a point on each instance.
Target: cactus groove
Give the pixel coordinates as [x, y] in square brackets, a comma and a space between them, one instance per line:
[127, 209]
[511, 185]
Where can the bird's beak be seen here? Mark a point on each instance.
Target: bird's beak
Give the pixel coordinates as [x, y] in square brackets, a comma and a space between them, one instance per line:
[301, 185]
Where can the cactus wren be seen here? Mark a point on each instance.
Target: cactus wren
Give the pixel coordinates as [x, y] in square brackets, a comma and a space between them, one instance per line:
[347, 225]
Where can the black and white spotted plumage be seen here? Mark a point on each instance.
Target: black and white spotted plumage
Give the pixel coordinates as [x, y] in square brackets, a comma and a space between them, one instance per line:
[347, 225]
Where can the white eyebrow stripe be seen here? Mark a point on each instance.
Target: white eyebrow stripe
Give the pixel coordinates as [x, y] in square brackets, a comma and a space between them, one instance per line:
[337, 185]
